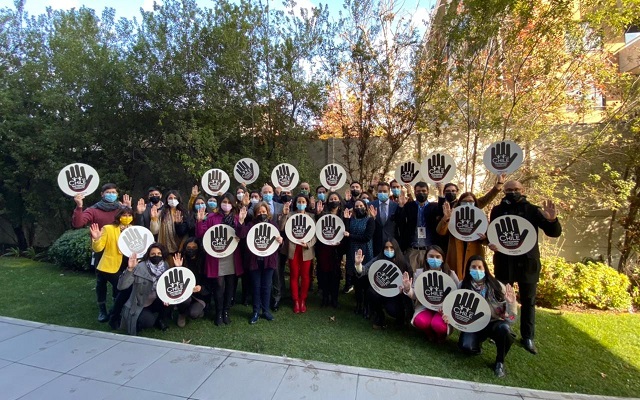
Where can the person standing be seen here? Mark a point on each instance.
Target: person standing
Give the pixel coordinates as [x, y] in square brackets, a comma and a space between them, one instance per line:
[275, 212]
[360, 227]
[384, 211]
[524, 269]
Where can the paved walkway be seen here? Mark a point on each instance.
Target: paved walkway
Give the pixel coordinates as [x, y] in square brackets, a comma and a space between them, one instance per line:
[39, 361]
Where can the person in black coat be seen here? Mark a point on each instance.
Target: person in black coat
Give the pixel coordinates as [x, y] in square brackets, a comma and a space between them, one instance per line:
[525, 268]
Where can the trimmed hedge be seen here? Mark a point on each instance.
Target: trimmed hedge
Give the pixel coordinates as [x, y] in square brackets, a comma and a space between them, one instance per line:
[594, 285]
[72, 250]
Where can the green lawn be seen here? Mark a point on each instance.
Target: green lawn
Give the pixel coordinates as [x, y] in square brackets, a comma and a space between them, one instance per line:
[579, 352]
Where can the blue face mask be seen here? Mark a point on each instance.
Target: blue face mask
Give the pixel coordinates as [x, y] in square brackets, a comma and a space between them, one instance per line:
[396, 192]
[389, 253]
[477, 275]
[267, 197]
[200, 206]
[467, 203]
[212, 204]
[110, 197]
[434, 263]
[301, 207]
[366, 201]
[322, 196]
[383, 197]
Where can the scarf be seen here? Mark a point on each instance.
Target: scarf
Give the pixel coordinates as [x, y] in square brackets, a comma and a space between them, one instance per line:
[498, 308]
[167, 234]
[156, 271]
[229, 219]
[104, 206]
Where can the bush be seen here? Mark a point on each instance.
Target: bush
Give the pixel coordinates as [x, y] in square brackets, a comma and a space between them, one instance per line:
[72, 250]
[594, 285]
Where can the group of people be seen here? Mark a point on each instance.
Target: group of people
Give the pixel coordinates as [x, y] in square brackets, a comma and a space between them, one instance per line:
[395, 223]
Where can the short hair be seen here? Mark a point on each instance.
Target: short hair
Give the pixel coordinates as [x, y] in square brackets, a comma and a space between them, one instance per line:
[354, 183]
[108, 186]
[449, 185]
[383, 183]
[421, 184]
[153, 189]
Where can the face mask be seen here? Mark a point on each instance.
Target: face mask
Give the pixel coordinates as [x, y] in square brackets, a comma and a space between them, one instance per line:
[240, 196]
[255, 201]
[155, 259]
[304, 192]
[322, 196]
[110, 197]
[383, 197]
[450, 197]
[301, 207]
[212, 204]
[226, 207]
[355, 193]
[154, 199]
[366, 201]
[126, 220]
[191, 252]
[395, 192]
[263, 217]
[267, 197]
[434, 263]
[173, 203]
[285, 198]
[467, 203]
[333, 204]
[389, 253]
[477, 275]
[421, 197]
[200, 206]
[513, 197]
[360, 212]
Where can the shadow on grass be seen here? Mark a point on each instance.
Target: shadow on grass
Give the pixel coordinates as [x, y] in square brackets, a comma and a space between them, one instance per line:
[585, 353]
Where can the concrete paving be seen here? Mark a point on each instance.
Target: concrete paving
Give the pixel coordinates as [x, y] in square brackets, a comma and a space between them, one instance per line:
[39, 361]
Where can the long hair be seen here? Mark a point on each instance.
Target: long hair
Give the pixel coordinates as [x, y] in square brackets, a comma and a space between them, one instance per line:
[444, 267]
[165, 253]
[326, 209]
[398, 258]
[232, 200]
[125, 210]
[179, 207]
[489, 279]
[295, 201]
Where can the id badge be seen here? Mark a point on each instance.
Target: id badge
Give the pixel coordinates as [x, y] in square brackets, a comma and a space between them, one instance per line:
[422, 232]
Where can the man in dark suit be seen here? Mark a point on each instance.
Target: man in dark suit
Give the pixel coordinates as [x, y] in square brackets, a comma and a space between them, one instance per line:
[278, 275]
[384, 210]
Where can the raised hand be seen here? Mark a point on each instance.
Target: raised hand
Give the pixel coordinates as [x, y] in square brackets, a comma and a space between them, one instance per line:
[406, 282]
[347, 213]
[177, 260]
[373, 211]
[446, 210]
[195, 191]
[245, 170]
[78, 199]
[154, 212]
[347, 194]
[133, 261]
[434, 289]
[94, 230]
[141, 206]
[331, 175]
[437, 168]
[549, 210]
[385, 276]
[242, 215]
[407, 172]
[175, 283]
[285, 208]
[501, 157]
[299, 228]
[284, 177]
[134, 241]
[77, 178]
[178, 217]
[319, 207]
[402, 199]
[219, 238]
[509, 233]
[358, 257]
[466, 223]
[465, 308]
[510, 294]
[126, 200]
[215, 182]
[263, 238]
[329, 230]
[201, 214]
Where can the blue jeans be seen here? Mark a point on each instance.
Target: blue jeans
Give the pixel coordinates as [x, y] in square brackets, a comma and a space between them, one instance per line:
[262, 279]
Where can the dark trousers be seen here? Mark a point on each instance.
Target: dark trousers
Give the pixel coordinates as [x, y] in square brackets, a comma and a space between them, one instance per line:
[223, 292]
[151, 314]
[279, 285]
[102, 278]
[498, 330]
[394, 306]
[191, 307]
[262, 281]
[329, 284]
[528, 309]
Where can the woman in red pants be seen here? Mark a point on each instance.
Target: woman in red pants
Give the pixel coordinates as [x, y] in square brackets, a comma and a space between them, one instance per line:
[300, 256]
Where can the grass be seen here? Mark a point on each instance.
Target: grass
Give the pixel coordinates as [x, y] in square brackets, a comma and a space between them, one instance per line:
[594, 353]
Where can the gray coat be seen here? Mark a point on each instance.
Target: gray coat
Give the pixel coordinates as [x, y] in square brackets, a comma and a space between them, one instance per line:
[142, 281]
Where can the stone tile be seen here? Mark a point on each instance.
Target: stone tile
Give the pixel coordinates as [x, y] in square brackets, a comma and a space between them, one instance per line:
[22, 322]
[31, 342]
[242, 379]
[67, 329]
[120, 363]
[67, 355]
[16, 380]
[181, 372]
[312, 383]
[7, 331]
[125, 393]
[70, 387]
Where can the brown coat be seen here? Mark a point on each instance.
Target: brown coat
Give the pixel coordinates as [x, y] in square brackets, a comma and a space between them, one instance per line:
[307, 253]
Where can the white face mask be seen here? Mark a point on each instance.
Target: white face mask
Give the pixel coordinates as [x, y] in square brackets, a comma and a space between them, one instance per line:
[240, 196]
[255, 201]
[173, 203]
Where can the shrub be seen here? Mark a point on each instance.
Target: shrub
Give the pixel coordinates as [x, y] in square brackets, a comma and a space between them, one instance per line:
[592, 284]
[72, 250]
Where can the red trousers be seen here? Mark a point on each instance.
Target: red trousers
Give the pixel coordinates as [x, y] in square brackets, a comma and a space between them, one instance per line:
[299, 269]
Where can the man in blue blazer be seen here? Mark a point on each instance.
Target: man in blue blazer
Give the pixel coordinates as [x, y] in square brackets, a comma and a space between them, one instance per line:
[384, 210]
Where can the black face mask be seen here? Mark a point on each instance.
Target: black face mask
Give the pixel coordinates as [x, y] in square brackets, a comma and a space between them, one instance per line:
[263, 217]
[285, 198]
[155, 259]
[154, 199]
[421, 197]
[360, 212]
[355, 193]
[450, 197]
[513, 197]
[191, 253]
[333, 204]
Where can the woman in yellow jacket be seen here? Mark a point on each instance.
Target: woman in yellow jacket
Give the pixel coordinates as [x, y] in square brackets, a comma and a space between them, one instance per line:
[112, 261]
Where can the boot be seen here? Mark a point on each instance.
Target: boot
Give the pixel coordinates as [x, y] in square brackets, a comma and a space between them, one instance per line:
[160, 324]
[303, 306]
[225, 317]
[218, 320]
[325, 300]
[296, 307]
[102, 313]
[182, 320]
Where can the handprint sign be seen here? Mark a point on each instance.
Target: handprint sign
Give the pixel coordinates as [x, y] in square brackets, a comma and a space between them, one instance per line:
[285, 176]
[219, 241]
[215, 181]
[467, 223]
[439, 168]
[262, 239]
[333, 176]
[467, 310]
[246, 171]
[385, 278]
[408, 172]
[135, 239]
[512, 234]
[78, 178]
[300, 228]
[330, 229]
[504, 156]
[175, 285]
[432, 287]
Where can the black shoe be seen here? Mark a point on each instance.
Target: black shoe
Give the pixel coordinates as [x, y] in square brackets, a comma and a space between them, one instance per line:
[114, 322]
[225, 318]
[254, 318]
[161, 325]
[529, 346]
[276, 306]
[347, 289]
[499, 370]
[102, 313]
[267, 315]
[218, 320]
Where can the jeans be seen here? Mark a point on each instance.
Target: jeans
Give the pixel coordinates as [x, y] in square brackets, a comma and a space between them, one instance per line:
[262, 279]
